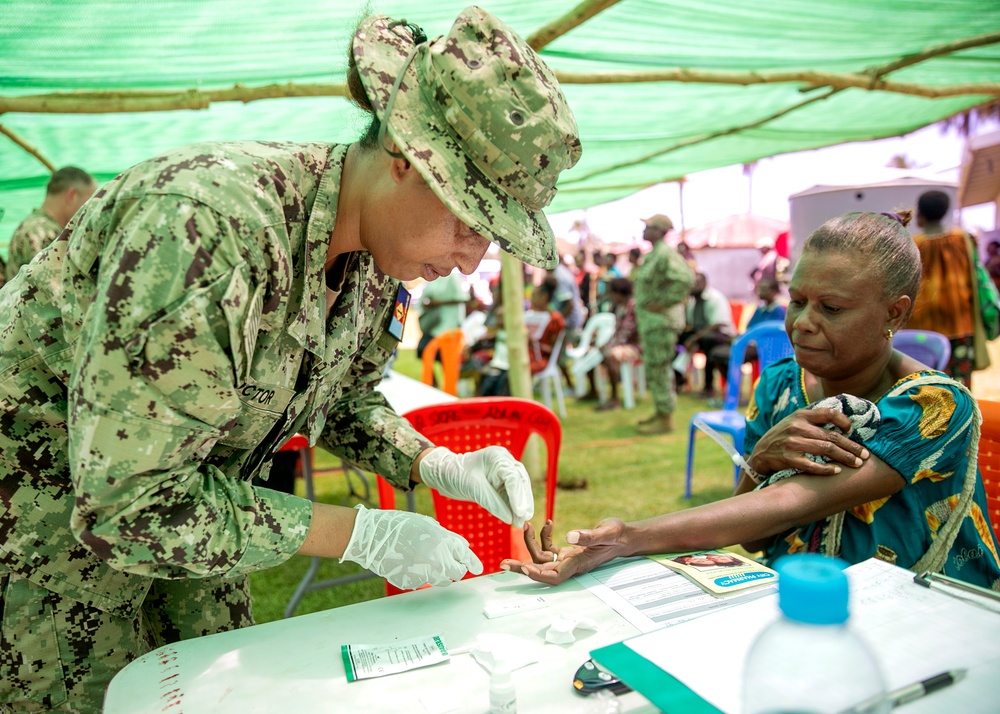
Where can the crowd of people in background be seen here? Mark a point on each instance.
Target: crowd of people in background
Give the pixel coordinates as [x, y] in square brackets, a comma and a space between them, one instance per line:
[667, 311]
[144, 337]
[665, 306]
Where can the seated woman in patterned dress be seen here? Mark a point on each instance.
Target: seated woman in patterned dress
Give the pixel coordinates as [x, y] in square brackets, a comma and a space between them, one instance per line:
[860, 450]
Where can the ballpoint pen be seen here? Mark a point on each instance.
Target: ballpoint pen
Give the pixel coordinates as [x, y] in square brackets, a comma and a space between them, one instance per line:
[924, 687]
[910, 692]
[930, 580]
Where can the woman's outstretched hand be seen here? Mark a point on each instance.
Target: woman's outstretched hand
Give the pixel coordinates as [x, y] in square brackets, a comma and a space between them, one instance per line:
[587, 550]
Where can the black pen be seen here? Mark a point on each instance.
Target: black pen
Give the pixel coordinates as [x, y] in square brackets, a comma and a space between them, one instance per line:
[919, 689]
[909, 693]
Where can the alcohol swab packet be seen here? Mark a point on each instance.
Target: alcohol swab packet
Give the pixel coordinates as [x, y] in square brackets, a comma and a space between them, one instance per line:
[364, 661]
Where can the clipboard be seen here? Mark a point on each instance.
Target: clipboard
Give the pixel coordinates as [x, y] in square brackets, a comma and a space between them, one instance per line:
[678, 667]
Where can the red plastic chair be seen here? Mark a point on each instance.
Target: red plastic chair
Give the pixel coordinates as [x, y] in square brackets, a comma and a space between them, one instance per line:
[475, 423]
[736, 309]
[989, 459]
[450, 344]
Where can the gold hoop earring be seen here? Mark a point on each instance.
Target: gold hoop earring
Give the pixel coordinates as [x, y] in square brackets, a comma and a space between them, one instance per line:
[888, 334]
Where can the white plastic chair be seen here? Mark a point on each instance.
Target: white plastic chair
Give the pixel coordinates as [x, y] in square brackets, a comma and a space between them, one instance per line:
[474, 327]
[586, 355]
[535, 322]
[633, 381]
[550, 379]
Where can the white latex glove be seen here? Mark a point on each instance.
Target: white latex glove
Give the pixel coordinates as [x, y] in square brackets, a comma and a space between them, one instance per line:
[409, 549]
[490, 477]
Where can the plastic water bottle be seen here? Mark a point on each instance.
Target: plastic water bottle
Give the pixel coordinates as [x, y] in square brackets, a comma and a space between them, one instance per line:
[809, 661]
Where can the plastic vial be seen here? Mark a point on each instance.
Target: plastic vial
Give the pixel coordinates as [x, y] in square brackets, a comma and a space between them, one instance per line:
[503, 697]
[809, 661]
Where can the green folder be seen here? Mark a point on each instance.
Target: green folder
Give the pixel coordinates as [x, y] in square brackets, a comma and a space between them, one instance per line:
[664, 690]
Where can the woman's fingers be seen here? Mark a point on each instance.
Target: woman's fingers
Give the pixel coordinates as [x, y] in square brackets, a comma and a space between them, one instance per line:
[542, 573]
[547, 537]
[788, 443]
[531, 543]
[551, 572]
[539, 552]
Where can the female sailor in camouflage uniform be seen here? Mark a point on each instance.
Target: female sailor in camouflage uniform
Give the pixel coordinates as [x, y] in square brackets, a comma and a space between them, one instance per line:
[211, 302]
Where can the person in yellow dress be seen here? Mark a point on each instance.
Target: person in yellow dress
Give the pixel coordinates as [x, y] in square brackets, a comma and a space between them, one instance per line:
[945, 301]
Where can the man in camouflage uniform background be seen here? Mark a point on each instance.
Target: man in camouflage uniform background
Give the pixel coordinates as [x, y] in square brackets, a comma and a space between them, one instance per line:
[211, 302]
[67, 190]
[661, 283]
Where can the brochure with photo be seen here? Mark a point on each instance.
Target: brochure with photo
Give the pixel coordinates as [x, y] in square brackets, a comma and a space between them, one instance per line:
[719, 571]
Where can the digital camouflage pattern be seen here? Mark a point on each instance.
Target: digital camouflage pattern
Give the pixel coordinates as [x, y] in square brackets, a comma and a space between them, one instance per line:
[35, 232]
[661, 283]
[481, 117]
[161, 349]
[85, 647]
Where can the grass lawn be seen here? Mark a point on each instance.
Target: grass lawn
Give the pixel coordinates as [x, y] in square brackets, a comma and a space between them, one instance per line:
[628, 475]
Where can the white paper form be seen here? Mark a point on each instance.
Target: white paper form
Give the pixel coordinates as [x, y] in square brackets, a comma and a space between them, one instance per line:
[650, 596]
[914, 632]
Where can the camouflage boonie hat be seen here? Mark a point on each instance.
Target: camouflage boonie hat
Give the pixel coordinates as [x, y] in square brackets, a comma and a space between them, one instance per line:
[480, 116]
[660, 222]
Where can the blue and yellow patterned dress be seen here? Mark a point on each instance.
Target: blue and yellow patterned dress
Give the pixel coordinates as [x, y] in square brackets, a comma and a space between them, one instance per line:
[924, 436]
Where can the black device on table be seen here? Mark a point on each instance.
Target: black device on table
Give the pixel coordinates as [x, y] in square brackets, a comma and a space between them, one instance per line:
[590, 678]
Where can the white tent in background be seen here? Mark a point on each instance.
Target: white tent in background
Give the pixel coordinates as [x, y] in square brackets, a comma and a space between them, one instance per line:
[809, 209]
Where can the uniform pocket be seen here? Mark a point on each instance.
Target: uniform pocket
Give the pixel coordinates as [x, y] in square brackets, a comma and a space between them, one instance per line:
[31, 668]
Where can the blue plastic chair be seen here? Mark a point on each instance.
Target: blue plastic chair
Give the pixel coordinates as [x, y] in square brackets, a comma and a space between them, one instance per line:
[772, 345]
[931, 348]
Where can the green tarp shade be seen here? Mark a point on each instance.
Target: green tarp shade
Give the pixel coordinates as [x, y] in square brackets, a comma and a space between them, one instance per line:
[634, 135]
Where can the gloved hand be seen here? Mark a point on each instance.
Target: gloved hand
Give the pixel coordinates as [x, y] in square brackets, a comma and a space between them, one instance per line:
[490, 477]
[409, 549]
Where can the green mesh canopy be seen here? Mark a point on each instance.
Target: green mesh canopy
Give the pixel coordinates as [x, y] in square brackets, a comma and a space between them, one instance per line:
[634, 134]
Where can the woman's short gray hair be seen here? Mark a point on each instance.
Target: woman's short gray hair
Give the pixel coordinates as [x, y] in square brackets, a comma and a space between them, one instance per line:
[881, 242]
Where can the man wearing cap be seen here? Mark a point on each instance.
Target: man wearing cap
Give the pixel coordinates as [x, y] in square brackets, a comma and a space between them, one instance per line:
[661, 283]
[209, 303]
[67, 190]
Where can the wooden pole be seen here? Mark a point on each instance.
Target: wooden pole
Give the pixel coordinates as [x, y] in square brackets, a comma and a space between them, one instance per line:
[512, 279]
[561, 25]
[159, 101]
[812, 80]
[519, 374]
[27, 147]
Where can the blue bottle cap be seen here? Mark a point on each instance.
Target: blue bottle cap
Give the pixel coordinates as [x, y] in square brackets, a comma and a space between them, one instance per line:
[812, 588]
